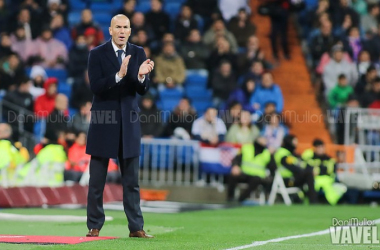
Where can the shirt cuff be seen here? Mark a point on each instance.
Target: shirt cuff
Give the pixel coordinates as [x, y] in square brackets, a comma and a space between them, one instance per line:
[142, 79]
[117, 78]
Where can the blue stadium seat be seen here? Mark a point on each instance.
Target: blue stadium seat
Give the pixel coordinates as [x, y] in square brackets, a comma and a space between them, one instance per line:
[103, 6]
[61, 74]
[169, 104]
[74, 18]
[198, 94]
[201, 106]
[170, 93]
[201, 23]
[106, 32]
[77, 5]
[72, 112]
[143, 7]
[102, 18]
[172, 8]
[65, 89]
[196, 78]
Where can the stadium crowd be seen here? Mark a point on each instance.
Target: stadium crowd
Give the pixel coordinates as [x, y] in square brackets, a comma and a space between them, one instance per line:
[207, 57]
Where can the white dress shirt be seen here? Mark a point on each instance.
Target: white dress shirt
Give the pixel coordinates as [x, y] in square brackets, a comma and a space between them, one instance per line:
[117, 77]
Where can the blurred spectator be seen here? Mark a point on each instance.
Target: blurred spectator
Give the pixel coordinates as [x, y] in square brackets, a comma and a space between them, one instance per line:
[241, 27]
[243, 95]
[218, 29]
[327, 58]
[11, 72]
[150, 118]
[17, 103]
[364, 62]
[77, 159]
[138, 24]
[279, 27]
[230, 8]
[57, 121]
[264, 119]
[338, 96]
[208, 10]
[50, 52]
[360, 6]
[44, 104]
[365, 81]
[323, 42]
[141, 38]
[38, 76]
[170, 68]
[24, 47]
[4, 15]
[87, 24]
[255, 72]
[81, 91]
[78, 56]
[268, 92]
[128, 8]
[184, 23]
[180, 120]
[209, 128]
[31, 26]
[251, 54]
[372, 44]
[355, 42]
[194, 52]
[314, 14]
[81, 120]
[52, 10]
[370, 21]
[352, 103]
[231, 115]
[244, 131]
[369, 96]
[60, 31]
[220, 53]
[336, 67]
[340, 12]
[223, 83]
[343, 30]
[12, 154]
[5, 45]
[158, 19]
[274, 132]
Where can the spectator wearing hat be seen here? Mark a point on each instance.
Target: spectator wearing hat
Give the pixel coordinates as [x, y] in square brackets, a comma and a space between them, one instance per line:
[24, 47]
[182, 118]
[60, 31]
[338, 96]
[50, 52]
[241, 27]
[37, 76]
[194, 52]
[54, 8]
[244, 131]
[44, 104]
[184, 23]
[209, 128]
[336, 67]
[87, 27]
[158, 19]
[150, 118]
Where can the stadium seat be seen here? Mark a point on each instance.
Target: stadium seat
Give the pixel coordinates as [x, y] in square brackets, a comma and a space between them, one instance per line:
[143, 7]
[77, 5]
[65, 89]
[74, 18]
[102, 18]
[278, 187]
[198, 94]
[173, 9]
[106, 6]
[170, 93]
[169, 104]
[61, 74]
[201, 106]
[196, 77]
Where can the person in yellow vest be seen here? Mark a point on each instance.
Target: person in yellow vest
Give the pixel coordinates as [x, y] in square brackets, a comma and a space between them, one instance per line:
[249, 166]
[11, 154]
[293, 170]
[324, 168]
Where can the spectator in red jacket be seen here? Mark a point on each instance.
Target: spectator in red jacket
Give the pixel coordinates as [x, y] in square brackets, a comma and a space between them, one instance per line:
[44, 104]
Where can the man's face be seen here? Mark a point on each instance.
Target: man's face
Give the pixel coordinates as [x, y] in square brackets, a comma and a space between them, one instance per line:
[147, 103]
[81, 139]
[343, 3]
[376, 87]
[338, 56]
[257, 68]
[267, 80]
[46, 35]
[61, 102]
[138, 19]
[326, 29]
[24, 87]
[194, 37]
[319, 150]
[24, 16]
[253, 42]
[225, 69]
[52, 90]
[270, 108]
[6, 41]
[169, 50]
[156, 5]
[86, 16]
[130, 5]
[13, 62]
[242, 15]
[186, 12]
[211, 115]
[219, 25]
[184, 105]
[20, 33]
[120, 30]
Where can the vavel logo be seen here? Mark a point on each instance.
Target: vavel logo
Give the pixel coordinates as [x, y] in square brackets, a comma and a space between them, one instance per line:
[353, 231]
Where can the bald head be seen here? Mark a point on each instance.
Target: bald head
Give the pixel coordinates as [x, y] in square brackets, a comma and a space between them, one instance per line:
[120, 30]
[5, 131]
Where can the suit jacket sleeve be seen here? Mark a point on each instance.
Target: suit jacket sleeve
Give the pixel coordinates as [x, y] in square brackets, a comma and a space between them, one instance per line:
[99, 84]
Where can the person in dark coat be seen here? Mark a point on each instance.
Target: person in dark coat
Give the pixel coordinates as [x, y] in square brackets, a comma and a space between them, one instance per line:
[81, 91]
[223, 83]
[78, 55]
[194, 52]
[118, 71]
[158, 19]
[185, 23]
[150, 118]
[243, 95]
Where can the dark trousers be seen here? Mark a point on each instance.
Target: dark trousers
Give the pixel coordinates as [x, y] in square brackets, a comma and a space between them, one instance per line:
[306, 176]
[279, 28]
[131, 192]
[252, 181]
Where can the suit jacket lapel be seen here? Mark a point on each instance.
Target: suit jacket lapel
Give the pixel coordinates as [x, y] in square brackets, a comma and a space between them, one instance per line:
[111, 55]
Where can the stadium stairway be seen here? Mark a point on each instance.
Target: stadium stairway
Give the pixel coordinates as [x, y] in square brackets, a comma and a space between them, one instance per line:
[301, 109]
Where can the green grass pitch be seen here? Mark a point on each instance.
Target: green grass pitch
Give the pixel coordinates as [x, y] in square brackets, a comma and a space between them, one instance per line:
[212, 229]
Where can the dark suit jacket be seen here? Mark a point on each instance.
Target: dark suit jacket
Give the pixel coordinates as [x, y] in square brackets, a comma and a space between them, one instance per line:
[114, 112]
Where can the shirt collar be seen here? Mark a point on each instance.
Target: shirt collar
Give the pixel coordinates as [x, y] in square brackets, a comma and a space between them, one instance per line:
[115, 48]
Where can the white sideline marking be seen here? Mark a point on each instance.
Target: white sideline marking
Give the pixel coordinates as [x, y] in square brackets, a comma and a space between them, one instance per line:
[48, 218]
[260, 243]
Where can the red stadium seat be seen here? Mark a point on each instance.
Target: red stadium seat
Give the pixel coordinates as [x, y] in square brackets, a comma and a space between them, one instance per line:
[51, 196]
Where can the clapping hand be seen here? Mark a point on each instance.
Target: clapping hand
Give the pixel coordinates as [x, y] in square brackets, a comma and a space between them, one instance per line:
[124, 66]
[146, 67]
